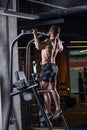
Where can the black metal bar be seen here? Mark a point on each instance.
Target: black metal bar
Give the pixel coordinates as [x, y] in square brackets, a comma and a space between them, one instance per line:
[24, 90]
[8, 114]
[11, 79]
[28, 59]
[41, 107]
[47, 4]
[18, 14]
[28, 116]
[64, 122]
[11, 82]
[7, 5]
[77, 9]
[70, 10]
[45, 91]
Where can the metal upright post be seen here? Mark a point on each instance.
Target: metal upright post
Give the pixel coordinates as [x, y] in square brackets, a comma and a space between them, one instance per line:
[11, 79]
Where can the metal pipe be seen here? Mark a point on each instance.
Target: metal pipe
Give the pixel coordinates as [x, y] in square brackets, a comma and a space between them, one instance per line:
[71, 10]
[11, 78]
[76, 9]
[11, 82]
[18, 14]
[7, 5]
[24, 90]
[47, 4]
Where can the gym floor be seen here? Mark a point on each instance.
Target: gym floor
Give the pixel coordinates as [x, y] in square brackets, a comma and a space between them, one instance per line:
[76, 117]
[79, 128]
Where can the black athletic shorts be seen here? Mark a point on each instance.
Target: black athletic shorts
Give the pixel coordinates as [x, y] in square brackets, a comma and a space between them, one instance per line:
[48, 72]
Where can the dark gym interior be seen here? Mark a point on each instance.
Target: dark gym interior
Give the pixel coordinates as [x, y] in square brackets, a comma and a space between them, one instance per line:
[18, 18]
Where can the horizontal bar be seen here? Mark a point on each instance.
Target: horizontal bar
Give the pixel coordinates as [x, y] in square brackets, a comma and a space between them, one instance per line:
[47, 4]
[70, 10]
[24, 90]
[31, 32]
[18, 14]
[76, 9]
[45, 91]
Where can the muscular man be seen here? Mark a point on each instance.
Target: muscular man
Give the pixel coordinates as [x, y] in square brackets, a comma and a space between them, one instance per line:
[49, 49]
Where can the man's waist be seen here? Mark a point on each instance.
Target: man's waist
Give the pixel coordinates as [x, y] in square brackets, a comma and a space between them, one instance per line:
[48, 63]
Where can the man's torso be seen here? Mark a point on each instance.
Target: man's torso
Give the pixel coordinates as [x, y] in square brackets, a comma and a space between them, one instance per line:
[48, 54]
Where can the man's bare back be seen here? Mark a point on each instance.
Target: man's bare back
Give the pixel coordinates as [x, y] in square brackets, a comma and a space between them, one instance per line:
[49, 48]
[48, 54]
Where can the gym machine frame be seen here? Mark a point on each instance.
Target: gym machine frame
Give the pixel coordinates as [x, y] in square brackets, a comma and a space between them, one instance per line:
[33, 87]
[19, 92]
[28, 74]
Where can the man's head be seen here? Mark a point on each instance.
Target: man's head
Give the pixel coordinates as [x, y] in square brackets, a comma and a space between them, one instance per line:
[54, 31]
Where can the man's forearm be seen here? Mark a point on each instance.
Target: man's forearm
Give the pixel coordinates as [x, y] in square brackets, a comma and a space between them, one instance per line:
[60, 45]
[37, 41]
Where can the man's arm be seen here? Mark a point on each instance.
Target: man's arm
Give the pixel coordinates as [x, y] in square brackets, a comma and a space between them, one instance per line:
[60, 45]
[38, 44]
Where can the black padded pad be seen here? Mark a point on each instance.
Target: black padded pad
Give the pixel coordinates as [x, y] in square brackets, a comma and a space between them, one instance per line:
[27, 96]
[20, 75]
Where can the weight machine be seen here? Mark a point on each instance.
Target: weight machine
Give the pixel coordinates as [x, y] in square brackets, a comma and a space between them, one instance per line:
[35, 76]
[23, 85]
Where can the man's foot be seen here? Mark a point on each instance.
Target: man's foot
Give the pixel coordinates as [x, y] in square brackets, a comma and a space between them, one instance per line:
[57, 114]
[49, 115]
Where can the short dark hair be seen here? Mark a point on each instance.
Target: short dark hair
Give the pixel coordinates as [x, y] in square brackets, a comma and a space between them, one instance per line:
[55, 29]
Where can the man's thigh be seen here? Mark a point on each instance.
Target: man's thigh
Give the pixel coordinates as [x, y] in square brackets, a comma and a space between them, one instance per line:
[44, 85]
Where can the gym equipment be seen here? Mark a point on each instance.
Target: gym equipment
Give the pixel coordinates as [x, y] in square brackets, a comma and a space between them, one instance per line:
[35, 77]
[11, 79]
[26, 87]
[18, 14]
[47, 4]
[62, 10]
[23, 85]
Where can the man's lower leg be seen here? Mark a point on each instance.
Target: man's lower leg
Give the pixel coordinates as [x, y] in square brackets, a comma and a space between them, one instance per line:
[56, 99]
[47, 101]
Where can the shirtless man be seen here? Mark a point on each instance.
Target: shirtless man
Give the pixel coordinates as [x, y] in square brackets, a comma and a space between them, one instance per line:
[49, 49]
